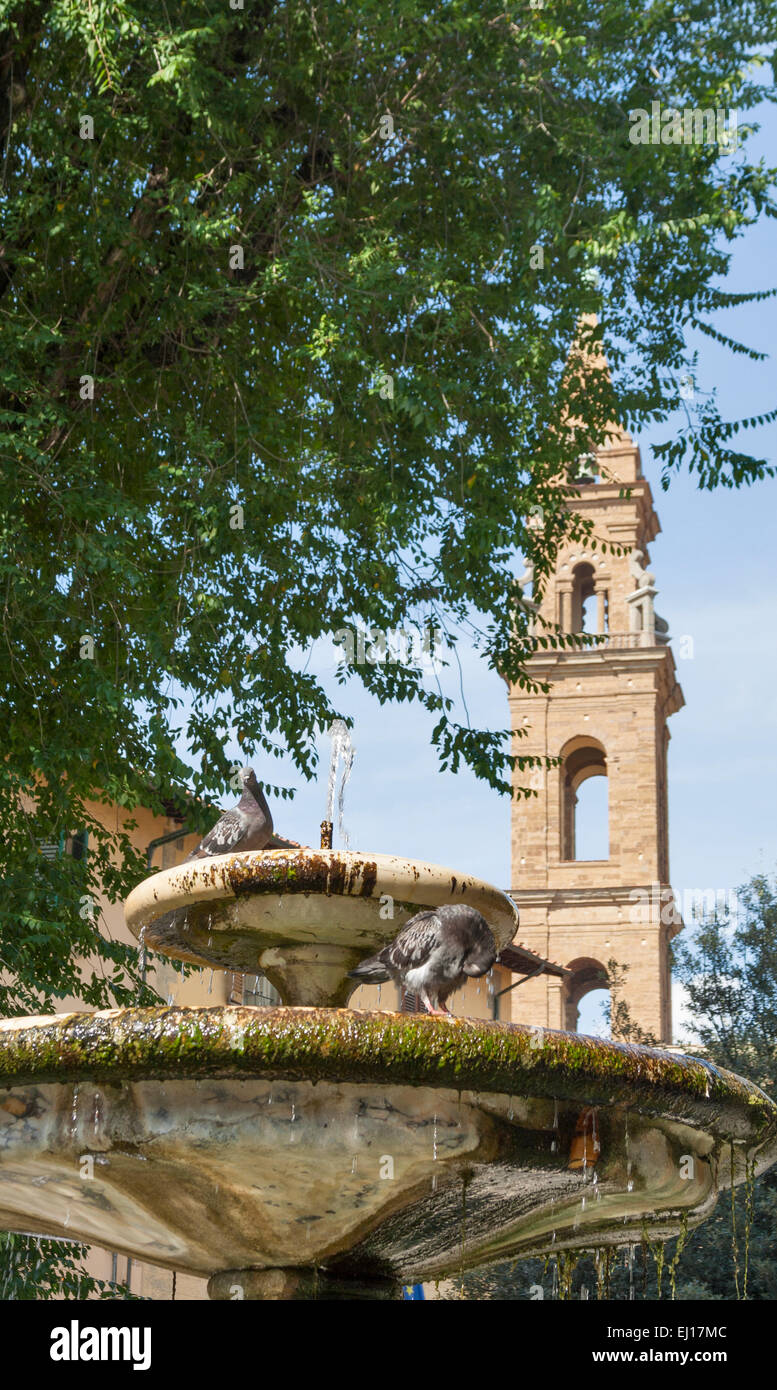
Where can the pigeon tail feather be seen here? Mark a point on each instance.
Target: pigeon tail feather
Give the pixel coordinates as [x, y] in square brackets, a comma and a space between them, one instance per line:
[371, 971]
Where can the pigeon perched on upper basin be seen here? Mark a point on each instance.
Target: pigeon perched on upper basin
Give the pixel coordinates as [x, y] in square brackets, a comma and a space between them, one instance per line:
[247, 826]
[435, 952]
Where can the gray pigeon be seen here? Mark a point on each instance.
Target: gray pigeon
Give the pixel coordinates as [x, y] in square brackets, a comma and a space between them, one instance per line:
[434, 954]
[247, 826]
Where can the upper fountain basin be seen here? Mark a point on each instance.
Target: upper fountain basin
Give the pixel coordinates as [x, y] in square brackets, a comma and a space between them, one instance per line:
[304, 917]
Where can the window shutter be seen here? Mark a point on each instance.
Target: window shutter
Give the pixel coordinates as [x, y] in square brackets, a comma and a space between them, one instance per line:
[411, 1003]
[76, 844]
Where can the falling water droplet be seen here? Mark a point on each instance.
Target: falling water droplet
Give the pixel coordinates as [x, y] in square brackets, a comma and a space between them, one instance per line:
[353, 1164]
[74, 1113]
[434, 1139]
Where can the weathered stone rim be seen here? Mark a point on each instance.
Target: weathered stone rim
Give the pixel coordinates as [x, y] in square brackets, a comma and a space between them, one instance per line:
[341, 1045]
[223, 880]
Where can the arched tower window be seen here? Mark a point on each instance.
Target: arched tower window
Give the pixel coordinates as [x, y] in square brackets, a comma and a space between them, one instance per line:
[589, 601]
[584, 801]
[589, 978]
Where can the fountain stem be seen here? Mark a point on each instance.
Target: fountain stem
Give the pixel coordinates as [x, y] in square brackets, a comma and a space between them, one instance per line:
[310, 974]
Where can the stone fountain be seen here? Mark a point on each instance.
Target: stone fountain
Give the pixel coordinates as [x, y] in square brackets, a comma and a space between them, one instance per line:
[312, 1151]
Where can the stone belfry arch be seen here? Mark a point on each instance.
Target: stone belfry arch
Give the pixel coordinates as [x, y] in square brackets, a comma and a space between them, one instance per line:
[605, 715]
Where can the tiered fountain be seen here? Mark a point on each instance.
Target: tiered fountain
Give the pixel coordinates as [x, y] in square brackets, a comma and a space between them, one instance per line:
[313, 1151]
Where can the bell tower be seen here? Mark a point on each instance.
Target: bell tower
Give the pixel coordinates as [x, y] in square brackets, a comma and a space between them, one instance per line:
[604, 716]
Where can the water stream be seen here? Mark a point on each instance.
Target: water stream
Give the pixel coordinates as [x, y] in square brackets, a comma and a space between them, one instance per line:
[342, 751]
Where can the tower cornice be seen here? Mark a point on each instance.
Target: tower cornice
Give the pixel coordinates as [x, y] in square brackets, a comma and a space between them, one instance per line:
[633, 499]
[555, 666]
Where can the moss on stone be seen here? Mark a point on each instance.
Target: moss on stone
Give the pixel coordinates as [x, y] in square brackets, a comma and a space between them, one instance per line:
[341, 1045]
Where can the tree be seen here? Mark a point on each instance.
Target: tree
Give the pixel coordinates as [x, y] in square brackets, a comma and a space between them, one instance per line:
[728, 967]
[616, 1013]
[34, 1269]
[287, 304]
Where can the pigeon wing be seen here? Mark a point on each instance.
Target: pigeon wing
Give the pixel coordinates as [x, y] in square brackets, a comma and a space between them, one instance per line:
[414, 944]
[224, 836]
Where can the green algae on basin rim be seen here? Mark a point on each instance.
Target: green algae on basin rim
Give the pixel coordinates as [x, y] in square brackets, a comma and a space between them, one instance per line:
[229, 1139]
[418, 1050]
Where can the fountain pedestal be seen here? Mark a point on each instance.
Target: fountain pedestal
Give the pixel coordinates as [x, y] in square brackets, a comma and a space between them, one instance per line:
[311, 975]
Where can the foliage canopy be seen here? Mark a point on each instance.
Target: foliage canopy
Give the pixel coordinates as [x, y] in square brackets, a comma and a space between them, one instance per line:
[287, 299]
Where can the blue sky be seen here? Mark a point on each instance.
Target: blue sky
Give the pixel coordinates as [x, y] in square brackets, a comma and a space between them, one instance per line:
[715, 564]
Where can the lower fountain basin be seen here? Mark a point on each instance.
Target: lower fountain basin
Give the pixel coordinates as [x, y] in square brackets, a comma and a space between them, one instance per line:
[372, 1146]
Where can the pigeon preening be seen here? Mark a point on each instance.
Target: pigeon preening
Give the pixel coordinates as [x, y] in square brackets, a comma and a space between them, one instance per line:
[247, 826]
[435, 952]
